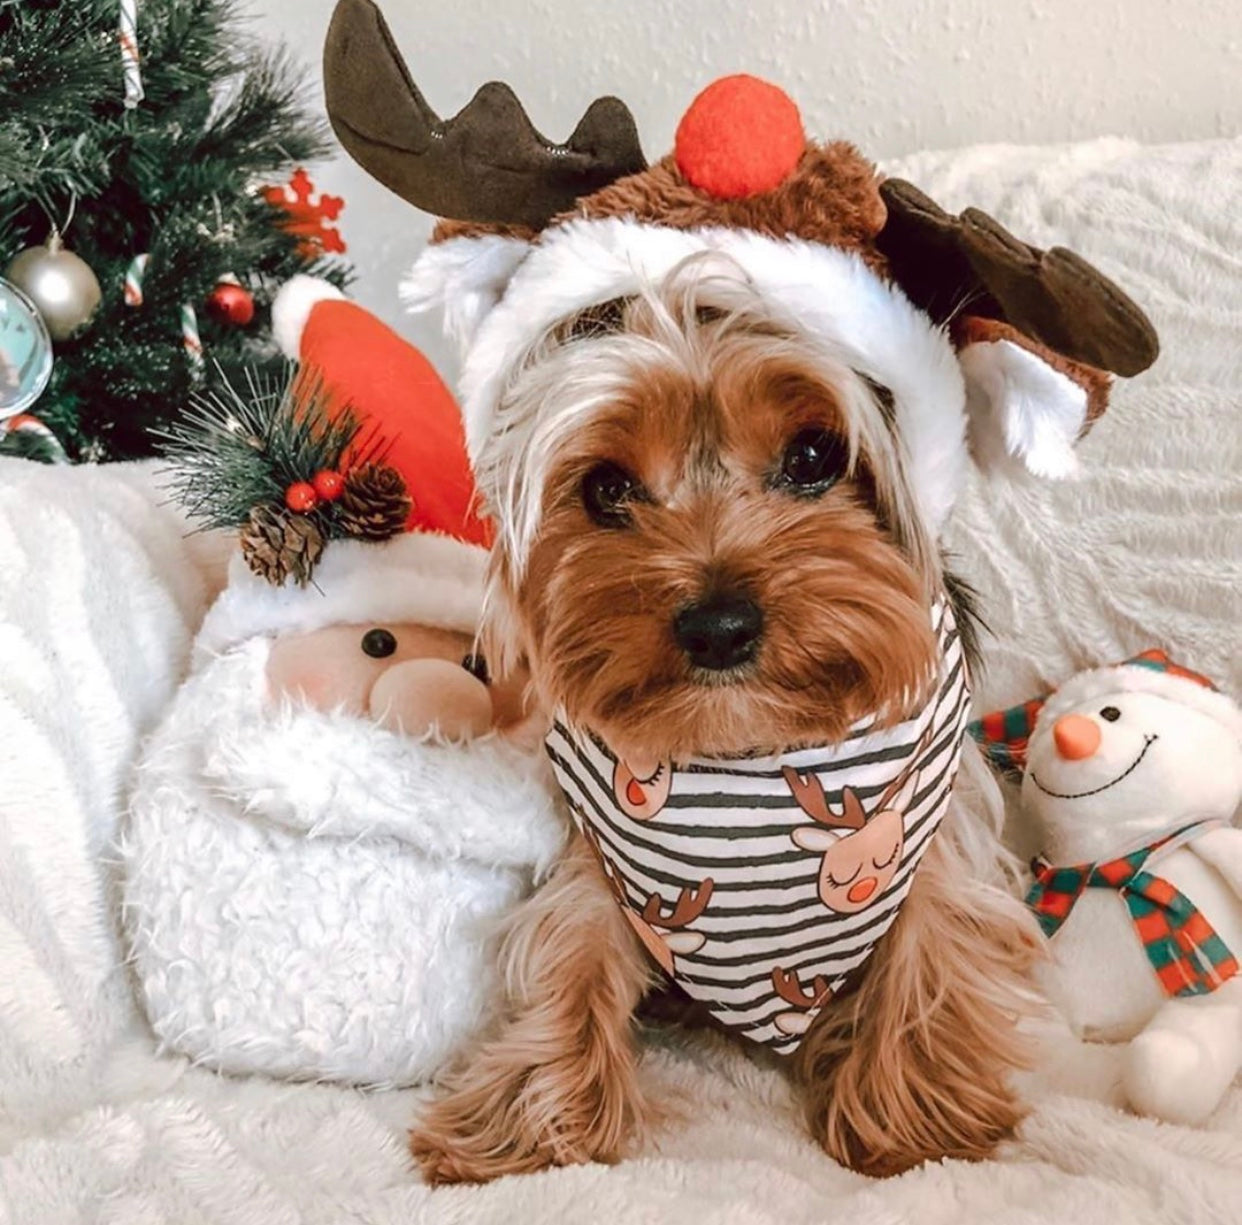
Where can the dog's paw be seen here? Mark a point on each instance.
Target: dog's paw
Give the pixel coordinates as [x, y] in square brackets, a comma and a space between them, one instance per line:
[553, 1114]
[443, 1158]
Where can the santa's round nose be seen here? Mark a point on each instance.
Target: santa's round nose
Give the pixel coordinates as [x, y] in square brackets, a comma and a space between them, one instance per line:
[1076, 736]
[861, 890]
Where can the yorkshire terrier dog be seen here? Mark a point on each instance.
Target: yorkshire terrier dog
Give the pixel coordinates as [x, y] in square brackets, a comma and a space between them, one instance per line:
[728, 561]
[720, 408]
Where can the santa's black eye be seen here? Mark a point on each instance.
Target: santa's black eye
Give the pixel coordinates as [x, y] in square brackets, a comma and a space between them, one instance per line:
[813, 462]
[607, 490]
[1111, 713]
[476, 665]
[378, 643]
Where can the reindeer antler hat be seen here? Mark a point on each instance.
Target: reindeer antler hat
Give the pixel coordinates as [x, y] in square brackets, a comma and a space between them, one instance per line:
[953, 315]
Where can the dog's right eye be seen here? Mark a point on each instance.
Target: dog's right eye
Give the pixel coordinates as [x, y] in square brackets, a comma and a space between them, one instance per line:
[813, 461]
[607, 490]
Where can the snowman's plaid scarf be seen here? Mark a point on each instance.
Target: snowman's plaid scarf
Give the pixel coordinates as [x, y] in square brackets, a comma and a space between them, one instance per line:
[1188, 956]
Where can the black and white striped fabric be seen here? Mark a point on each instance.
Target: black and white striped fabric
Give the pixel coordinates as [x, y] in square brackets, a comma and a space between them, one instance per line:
[733, 822]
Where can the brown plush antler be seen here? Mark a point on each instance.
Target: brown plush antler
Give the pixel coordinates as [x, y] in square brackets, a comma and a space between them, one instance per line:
[488, 163]
[946, 263]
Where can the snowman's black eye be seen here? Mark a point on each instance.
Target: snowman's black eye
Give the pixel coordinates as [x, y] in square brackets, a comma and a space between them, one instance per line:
[1111, 713]
[476, 665]
[378, 643]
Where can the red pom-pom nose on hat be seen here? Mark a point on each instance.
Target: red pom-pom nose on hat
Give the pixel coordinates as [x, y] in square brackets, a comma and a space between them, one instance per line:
[741, 136]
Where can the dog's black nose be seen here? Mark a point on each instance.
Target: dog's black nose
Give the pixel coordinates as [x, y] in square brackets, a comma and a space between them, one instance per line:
[719, 632]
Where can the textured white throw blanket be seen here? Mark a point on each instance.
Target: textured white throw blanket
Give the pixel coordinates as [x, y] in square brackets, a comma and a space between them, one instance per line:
[99, 596]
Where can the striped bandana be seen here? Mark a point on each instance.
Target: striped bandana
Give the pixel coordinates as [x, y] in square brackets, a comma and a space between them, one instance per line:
[763, 884]
[1189, 958]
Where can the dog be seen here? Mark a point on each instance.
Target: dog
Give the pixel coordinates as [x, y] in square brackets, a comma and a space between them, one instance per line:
[728, 561]
[720, 408]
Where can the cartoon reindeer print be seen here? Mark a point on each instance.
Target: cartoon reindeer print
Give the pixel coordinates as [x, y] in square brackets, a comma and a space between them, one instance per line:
[861, 850]
[806, 1004]
[662, 935]
[641, 787]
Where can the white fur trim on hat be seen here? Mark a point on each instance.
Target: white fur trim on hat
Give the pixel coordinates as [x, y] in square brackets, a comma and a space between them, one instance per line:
[292, 306]
[419, 576]
[464, 278]
[824, 290]
[1021, 408]
[1100, 683]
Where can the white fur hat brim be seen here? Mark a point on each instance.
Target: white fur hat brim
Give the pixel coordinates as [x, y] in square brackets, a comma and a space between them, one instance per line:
[416, 577]
[517, 292]
[1101, 683]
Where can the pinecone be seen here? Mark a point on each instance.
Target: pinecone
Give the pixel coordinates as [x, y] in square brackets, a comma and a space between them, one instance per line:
[374, 504]
[277, 545]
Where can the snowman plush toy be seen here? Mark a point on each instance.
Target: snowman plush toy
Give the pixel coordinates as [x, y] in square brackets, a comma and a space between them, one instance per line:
[1132, 777]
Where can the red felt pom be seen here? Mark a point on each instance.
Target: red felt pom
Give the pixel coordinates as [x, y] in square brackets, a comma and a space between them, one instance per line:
[230, 303]
[301, 497]
[741, 136]
[328, 485]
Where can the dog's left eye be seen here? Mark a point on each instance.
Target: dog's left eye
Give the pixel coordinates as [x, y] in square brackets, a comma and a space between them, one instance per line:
[813, 461]
[607, 490]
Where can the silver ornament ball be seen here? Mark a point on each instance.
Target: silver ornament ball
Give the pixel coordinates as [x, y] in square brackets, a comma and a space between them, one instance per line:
[60, 284]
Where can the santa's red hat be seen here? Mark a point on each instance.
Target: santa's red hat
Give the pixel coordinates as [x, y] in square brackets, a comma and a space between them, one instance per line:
[428, 565]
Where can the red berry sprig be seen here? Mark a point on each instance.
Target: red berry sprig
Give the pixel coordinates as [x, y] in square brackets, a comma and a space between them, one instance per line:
[328, 485]
[301, 497]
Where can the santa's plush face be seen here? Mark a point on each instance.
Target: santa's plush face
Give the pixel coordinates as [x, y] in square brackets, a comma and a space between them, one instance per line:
[1125, 766]
[407, 677]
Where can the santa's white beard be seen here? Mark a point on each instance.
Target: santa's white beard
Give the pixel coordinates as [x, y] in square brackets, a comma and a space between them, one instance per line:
[312, 895]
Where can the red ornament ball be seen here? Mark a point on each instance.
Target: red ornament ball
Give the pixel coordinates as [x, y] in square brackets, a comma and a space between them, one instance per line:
[301, 497]
[741, 136]
[229, 303]
[328, 485]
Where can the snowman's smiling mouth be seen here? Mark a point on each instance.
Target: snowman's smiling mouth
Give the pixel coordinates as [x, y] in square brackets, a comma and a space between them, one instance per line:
[1148, 741]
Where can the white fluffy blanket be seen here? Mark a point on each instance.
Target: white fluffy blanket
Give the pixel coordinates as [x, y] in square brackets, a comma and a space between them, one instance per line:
[97, 595]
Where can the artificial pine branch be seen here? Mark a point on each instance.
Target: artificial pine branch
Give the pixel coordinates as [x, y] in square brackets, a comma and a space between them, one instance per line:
[233, 450]
[175, 177]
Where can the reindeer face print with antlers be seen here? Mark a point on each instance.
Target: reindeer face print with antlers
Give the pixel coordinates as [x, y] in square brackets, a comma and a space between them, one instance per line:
[861, 851]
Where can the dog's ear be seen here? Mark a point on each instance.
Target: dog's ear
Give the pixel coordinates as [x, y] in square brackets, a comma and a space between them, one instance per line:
[1025, 402]
[464, 277]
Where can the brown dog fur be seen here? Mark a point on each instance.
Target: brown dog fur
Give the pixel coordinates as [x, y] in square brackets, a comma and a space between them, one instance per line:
[698, 406]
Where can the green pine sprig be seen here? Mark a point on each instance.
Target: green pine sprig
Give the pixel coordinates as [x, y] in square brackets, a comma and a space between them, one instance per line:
[235, 449]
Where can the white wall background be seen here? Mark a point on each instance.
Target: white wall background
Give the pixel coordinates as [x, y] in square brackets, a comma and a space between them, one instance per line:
[892, 75]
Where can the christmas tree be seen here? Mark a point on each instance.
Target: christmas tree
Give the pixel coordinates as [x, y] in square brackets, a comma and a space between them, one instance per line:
[148, 146]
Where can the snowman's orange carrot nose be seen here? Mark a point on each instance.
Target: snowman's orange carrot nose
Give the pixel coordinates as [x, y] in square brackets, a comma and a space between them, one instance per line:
[1076, 736]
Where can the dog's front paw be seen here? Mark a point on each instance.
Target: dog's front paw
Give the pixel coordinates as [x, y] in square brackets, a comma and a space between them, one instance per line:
[553, 1114]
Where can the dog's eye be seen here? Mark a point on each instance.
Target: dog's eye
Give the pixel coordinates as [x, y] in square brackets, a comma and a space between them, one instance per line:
[1111, 713]
[476, 665]
[378, 643]
[607, 489]
[813, 461]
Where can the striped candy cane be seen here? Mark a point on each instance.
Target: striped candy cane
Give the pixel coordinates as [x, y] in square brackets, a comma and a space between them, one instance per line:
[134, 92]
[190, 338]
[24, 423]
[133, 279]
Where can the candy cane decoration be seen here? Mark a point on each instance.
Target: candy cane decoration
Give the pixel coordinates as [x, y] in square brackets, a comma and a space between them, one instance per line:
[190, 338]
[134, 93]
[24, 423]
[133, 280]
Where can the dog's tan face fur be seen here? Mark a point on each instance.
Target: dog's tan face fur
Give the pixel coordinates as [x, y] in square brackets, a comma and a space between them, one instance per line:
[704, 427]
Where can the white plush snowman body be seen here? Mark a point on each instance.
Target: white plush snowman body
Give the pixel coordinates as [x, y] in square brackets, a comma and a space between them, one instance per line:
[1119, 759]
